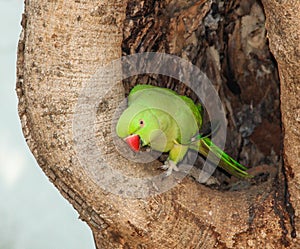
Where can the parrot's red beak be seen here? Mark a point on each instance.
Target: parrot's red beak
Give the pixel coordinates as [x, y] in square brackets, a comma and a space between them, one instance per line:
[134, 142]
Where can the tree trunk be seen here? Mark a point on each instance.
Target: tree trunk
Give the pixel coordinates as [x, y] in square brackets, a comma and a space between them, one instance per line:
[62, 46]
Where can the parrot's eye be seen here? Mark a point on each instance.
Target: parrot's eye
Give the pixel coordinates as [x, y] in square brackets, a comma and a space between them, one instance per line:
[141, 123]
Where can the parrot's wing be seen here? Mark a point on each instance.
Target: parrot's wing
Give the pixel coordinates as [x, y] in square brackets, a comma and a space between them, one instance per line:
[196, 109]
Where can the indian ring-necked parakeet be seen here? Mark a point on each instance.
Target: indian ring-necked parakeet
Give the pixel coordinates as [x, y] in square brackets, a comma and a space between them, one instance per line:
[168, 122]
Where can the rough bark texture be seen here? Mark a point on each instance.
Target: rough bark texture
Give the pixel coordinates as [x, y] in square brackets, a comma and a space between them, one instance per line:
[283, 25]
[62, 45]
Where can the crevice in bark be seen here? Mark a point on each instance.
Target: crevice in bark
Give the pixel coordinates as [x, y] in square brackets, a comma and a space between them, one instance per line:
[279, 208]
[288, 205]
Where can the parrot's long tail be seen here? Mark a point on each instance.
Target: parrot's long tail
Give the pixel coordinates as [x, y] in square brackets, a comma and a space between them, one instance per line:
[204, 145]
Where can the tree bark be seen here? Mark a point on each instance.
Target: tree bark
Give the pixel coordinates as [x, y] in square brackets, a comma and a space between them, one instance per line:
[62, 45]
[283, 25]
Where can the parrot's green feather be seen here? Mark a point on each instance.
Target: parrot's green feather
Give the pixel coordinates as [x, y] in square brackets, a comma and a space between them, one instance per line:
[140, 87]
[196, 109]
[217, 156]
[169, 122]
[183, 114]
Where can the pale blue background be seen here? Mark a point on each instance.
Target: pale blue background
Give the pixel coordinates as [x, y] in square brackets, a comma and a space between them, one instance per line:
[33, 215]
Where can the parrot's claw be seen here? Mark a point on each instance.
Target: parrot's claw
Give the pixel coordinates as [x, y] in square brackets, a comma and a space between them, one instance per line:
[169, 166]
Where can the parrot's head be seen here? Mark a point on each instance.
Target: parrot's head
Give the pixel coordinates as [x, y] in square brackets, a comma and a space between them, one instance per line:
[137, 128]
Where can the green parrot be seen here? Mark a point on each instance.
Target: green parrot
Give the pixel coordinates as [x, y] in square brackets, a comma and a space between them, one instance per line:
[168, 122]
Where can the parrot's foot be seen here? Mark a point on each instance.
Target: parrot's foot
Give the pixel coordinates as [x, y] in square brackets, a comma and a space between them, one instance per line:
[169, 166]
